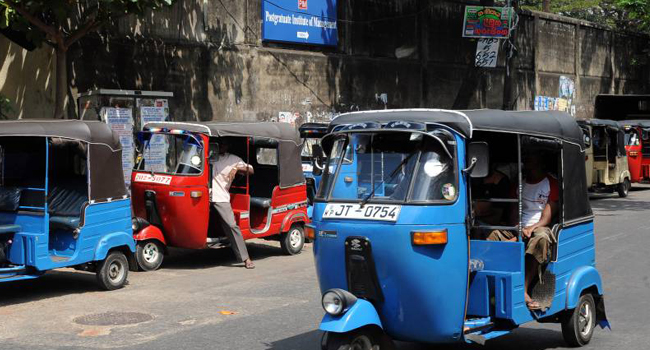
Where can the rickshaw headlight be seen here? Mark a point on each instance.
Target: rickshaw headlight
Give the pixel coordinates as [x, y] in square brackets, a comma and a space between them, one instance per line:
[337, 301]
[138, 224]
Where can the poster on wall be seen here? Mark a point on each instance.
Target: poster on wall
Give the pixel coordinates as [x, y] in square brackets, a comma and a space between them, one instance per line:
[487, 22]
[487, 53]
[300, 21]
[120, 121]
[157, 150]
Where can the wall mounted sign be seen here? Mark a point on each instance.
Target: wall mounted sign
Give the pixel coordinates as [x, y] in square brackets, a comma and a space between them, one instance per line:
[487, 22]
[300, 21]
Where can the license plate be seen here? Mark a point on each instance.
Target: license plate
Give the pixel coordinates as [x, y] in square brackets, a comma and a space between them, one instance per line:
[381, 212]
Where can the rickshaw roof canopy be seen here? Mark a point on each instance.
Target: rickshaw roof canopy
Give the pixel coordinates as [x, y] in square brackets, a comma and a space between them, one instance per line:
[600, 122]
[277, 131]
[94, 132]
[104, 150]
[540, 123]
[640, 123]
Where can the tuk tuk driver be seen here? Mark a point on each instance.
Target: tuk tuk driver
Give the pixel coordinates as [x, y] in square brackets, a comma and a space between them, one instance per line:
[225, 167]
[540, 198]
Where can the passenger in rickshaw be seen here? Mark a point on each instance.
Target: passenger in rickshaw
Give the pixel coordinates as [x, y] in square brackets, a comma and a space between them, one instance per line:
[495, 185]
[540, 198]
[225, 167]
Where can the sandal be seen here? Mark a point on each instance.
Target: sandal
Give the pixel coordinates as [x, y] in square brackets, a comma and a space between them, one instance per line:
[249, 264]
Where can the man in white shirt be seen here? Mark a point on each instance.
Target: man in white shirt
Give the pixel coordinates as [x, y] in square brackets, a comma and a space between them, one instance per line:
[224, 169]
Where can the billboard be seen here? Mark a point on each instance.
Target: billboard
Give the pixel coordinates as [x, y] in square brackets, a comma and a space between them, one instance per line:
[487, 22]
[300, 21]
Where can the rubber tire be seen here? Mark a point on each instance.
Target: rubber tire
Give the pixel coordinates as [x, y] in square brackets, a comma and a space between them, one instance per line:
[571, 327]
[623, 188]
[285, 240]
[103, 279]
[143, 265]
[375, 339]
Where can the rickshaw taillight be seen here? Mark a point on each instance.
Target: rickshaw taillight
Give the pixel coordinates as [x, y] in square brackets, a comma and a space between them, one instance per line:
[196, 194]
[634, 154]
[429, 238]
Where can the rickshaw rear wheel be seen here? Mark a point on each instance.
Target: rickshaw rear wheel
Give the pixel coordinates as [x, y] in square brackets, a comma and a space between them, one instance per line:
[149, 255]
[292, 241]
[624, 188]
[578, 325]
[113, 271]
[365, 338]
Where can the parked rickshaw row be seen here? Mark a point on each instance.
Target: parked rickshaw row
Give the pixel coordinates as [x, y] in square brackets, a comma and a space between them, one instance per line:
[432, 226]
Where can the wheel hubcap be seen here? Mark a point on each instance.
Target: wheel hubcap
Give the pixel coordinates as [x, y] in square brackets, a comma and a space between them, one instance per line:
[295, 238]
[361, 343]
[585, 319]
[115, 271]
[150, 252]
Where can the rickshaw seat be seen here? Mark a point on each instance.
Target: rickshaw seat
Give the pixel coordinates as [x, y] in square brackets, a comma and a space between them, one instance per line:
[9, 198]
[69, 223]
[10, 228]
[261, 202]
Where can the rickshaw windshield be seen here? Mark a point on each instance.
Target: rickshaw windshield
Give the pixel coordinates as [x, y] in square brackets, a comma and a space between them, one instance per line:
[307, 147]
[390, 167]
[171, 154]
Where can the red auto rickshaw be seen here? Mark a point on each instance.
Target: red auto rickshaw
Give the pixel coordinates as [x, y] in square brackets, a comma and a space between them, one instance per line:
[633, 113]
[171, 187]
[637, 145]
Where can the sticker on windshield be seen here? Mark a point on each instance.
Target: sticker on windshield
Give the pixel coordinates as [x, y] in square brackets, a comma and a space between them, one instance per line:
[433, 167]
[380, 212]
[448, 191]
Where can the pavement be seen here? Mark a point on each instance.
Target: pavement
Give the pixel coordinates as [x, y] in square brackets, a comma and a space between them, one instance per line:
[202, 300]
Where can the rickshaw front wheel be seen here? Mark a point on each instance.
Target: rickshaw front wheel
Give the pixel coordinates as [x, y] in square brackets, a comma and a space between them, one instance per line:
[292, 242]
[149, 255]
[113, 271]
[365, 338]
[578, 325]
[624, 188]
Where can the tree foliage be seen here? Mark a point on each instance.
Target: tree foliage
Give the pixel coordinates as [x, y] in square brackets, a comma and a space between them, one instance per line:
[631, 15]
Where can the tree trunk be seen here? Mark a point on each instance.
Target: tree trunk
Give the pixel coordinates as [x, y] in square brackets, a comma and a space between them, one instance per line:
[61, 82]
[546, 5]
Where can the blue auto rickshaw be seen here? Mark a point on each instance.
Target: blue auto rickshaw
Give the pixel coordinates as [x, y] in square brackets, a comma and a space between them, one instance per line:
[63, 201]
[312, 158]
[393, 229]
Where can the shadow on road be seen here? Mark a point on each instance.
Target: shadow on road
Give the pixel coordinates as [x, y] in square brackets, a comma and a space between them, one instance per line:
[620, 204]
[305, 341]
[190, 259]
[51, 285]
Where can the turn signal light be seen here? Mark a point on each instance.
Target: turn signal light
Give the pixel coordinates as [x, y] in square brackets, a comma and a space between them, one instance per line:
[196, 194]
[634, 154]
[429, 238]
[310, 233]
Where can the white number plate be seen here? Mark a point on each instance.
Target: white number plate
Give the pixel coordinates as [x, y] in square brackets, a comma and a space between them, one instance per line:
[156, 179]
[380, 212]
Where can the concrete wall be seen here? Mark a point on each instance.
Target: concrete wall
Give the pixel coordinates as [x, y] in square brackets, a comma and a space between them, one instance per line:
[391, 54]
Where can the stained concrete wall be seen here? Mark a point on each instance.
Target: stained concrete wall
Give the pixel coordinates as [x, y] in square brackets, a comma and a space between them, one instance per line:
[391, 54]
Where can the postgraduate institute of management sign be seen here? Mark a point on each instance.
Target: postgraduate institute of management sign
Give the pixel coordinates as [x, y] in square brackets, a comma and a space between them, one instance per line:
[300, 21]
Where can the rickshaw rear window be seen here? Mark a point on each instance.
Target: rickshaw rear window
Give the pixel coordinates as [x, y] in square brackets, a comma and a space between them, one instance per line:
[390, 166]
[172, 154]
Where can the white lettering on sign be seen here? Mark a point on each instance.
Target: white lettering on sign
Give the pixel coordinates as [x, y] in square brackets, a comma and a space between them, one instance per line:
[156, 179]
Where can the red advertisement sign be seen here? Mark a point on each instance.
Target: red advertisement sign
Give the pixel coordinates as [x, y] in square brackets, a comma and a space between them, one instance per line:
[302, 4]
[487, 22]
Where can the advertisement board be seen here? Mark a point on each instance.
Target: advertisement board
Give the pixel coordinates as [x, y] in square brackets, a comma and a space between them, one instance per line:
[300, 21]
[487, 22]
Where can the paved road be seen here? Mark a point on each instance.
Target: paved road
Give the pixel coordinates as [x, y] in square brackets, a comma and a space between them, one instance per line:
[200, 301]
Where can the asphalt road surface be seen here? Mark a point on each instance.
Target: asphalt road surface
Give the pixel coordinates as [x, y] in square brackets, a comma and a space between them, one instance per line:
[201, 300]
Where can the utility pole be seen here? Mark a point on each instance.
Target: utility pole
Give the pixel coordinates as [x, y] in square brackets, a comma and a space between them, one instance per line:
[510, 74]
[546, 5]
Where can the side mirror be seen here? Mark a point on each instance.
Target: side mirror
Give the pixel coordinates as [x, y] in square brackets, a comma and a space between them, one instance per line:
[317, 159]
[478, 157]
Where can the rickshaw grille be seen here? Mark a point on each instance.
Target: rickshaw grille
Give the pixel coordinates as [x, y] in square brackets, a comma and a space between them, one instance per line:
[360, 269]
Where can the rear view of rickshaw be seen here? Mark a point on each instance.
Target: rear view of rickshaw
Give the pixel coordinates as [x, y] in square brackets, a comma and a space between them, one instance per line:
[606, 158]
[633, 113]
[399, 250]
[63, 201]
[171, 187]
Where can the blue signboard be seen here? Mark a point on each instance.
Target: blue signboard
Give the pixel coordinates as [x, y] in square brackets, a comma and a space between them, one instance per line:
[300, 21]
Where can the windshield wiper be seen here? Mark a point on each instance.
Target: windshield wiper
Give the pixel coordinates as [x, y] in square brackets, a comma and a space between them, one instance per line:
[392, 174]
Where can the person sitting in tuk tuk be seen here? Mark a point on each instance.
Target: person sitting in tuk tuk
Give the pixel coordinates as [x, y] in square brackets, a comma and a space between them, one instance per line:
[495, 185]
[225, 167]
[540, 196]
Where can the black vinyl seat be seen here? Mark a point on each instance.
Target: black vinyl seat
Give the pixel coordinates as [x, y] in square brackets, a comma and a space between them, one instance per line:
[261, 202]
[65, 204]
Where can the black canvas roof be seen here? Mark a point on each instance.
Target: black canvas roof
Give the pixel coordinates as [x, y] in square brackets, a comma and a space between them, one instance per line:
[546, 123]
[278, 131]
[641, 123]
[600, 122]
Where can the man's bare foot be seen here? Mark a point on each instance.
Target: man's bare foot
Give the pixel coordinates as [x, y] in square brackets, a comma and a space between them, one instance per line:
[249, 264]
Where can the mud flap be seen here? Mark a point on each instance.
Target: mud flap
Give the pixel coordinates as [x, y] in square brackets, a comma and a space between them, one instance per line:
[601, 317]
[544, 290]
